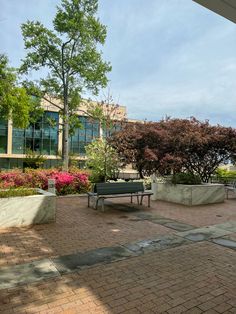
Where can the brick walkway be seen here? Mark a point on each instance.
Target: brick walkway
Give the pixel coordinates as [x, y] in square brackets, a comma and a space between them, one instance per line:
[196, 278]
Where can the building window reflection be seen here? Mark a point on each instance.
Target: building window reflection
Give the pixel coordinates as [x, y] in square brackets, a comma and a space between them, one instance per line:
[3, 136]
[40, 137]
[84, 135]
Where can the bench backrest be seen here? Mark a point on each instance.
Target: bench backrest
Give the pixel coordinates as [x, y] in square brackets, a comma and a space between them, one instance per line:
[118, 188]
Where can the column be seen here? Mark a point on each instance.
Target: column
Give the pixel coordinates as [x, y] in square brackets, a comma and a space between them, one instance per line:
[9, 137]
[60, 135]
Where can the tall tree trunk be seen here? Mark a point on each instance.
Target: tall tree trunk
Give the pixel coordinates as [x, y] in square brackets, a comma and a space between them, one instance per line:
[105, 162]
[65, 139]
[140, 171]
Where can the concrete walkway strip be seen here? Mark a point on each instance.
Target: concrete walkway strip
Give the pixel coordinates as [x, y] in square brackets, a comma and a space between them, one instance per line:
[225, 242]
[73, 262]
[229, 226]
[158, 244]
[203, 234]
[166, 222]
[11, 276]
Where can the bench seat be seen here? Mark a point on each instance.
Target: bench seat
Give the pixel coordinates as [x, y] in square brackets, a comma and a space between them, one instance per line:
[103, 191]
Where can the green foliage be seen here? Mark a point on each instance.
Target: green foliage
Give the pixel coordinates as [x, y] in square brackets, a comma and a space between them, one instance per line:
[33, 160]
[15, 103]
[69, 52]
[185, 178]
[225, 173]
[225, 176]
[13, 192]
[103, 160]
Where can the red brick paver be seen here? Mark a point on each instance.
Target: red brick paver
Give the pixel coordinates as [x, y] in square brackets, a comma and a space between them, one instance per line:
[77, 229]
[196, 278]
[199, 278]
[204, 215]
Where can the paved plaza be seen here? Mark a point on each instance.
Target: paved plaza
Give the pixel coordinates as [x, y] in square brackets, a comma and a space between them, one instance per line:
[130, 259]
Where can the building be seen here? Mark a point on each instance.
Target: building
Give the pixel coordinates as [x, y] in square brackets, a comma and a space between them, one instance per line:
[46, 140]
[225, 8]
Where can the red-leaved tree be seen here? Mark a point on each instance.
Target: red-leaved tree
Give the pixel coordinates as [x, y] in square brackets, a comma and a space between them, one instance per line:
[176, 144]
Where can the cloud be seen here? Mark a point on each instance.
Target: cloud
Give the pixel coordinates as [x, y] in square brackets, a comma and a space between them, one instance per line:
[169, 57]
[175, 58]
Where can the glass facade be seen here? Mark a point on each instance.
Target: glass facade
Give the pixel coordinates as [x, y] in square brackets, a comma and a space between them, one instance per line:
[84, 136]
[3, 136]
[116, 127]
[9, 163]
[40, 137]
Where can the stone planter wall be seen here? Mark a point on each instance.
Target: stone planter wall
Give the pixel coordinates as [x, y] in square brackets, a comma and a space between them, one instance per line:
[28, 210]
[189, 194]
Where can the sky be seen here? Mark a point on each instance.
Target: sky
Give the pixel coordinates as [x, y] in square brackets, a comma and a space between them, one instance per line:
[169, 57]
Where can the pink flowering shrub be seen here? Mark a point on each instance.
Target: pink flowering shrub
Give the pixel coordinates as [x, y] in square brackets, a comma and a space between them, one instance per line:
[71, 182]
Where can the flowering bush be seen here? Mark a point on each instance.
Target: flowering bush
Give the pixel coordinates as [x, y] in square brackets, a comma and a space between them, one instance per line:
[71, 182]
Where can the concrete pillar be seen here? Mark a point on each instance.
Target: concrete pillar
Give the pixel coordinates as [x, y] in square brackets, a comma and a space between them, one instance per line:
[51, 186]
[9, 137]
[154, 191]
[100, 130]
[60, 135]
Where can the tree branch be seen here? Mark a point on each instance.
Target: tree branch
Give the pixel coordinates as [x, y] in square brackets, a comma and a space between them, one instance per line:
[52, 103]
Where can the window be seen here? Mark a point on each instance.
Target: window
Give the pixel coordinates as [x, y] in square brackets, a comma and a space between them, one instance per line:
[84, 136]
[3, 136]
[40, 137]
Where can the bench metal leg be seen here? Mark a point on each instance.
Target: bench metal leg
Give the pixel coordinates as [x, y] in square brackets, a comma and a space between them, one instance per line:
[149, 199]
[141, 203]
[88, 201]
[96, 207]
[103, 209]
[102, 199]
[138, 199]
[131, 198]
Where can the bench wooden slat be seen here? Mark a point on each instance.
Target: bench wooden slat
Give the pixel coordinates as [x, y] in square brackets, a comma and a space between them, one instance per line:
[119, 189]
[120, 195]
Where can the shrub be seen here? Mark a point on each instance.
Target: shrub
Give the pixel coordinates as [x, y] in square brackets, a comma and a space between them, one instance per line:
[14, 192]
[185, 178]
[71, 182]
[225, 176]
[33, 160]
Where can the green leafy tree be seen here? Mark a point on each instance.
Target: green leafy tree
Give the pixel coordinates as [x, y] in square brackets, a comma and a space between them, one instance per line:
[103, 160]
[71, 57]
[33, 160]
[15, 103]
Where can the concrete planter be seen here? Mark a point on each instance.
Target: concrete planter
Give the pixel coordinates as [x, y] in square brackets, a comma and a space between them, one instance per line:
[154, 191]
[28, 210]
[189, 194]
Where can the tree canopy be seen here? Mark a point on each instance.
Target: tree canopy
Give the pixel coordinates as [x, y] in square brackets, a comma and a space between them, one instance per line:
[69, 53]
[175, 145]
[15, 103]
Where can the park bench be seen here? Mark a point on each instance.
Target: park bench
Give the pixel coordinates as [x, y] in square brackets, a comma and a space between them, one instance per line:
[117, 190]
[230, 188]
